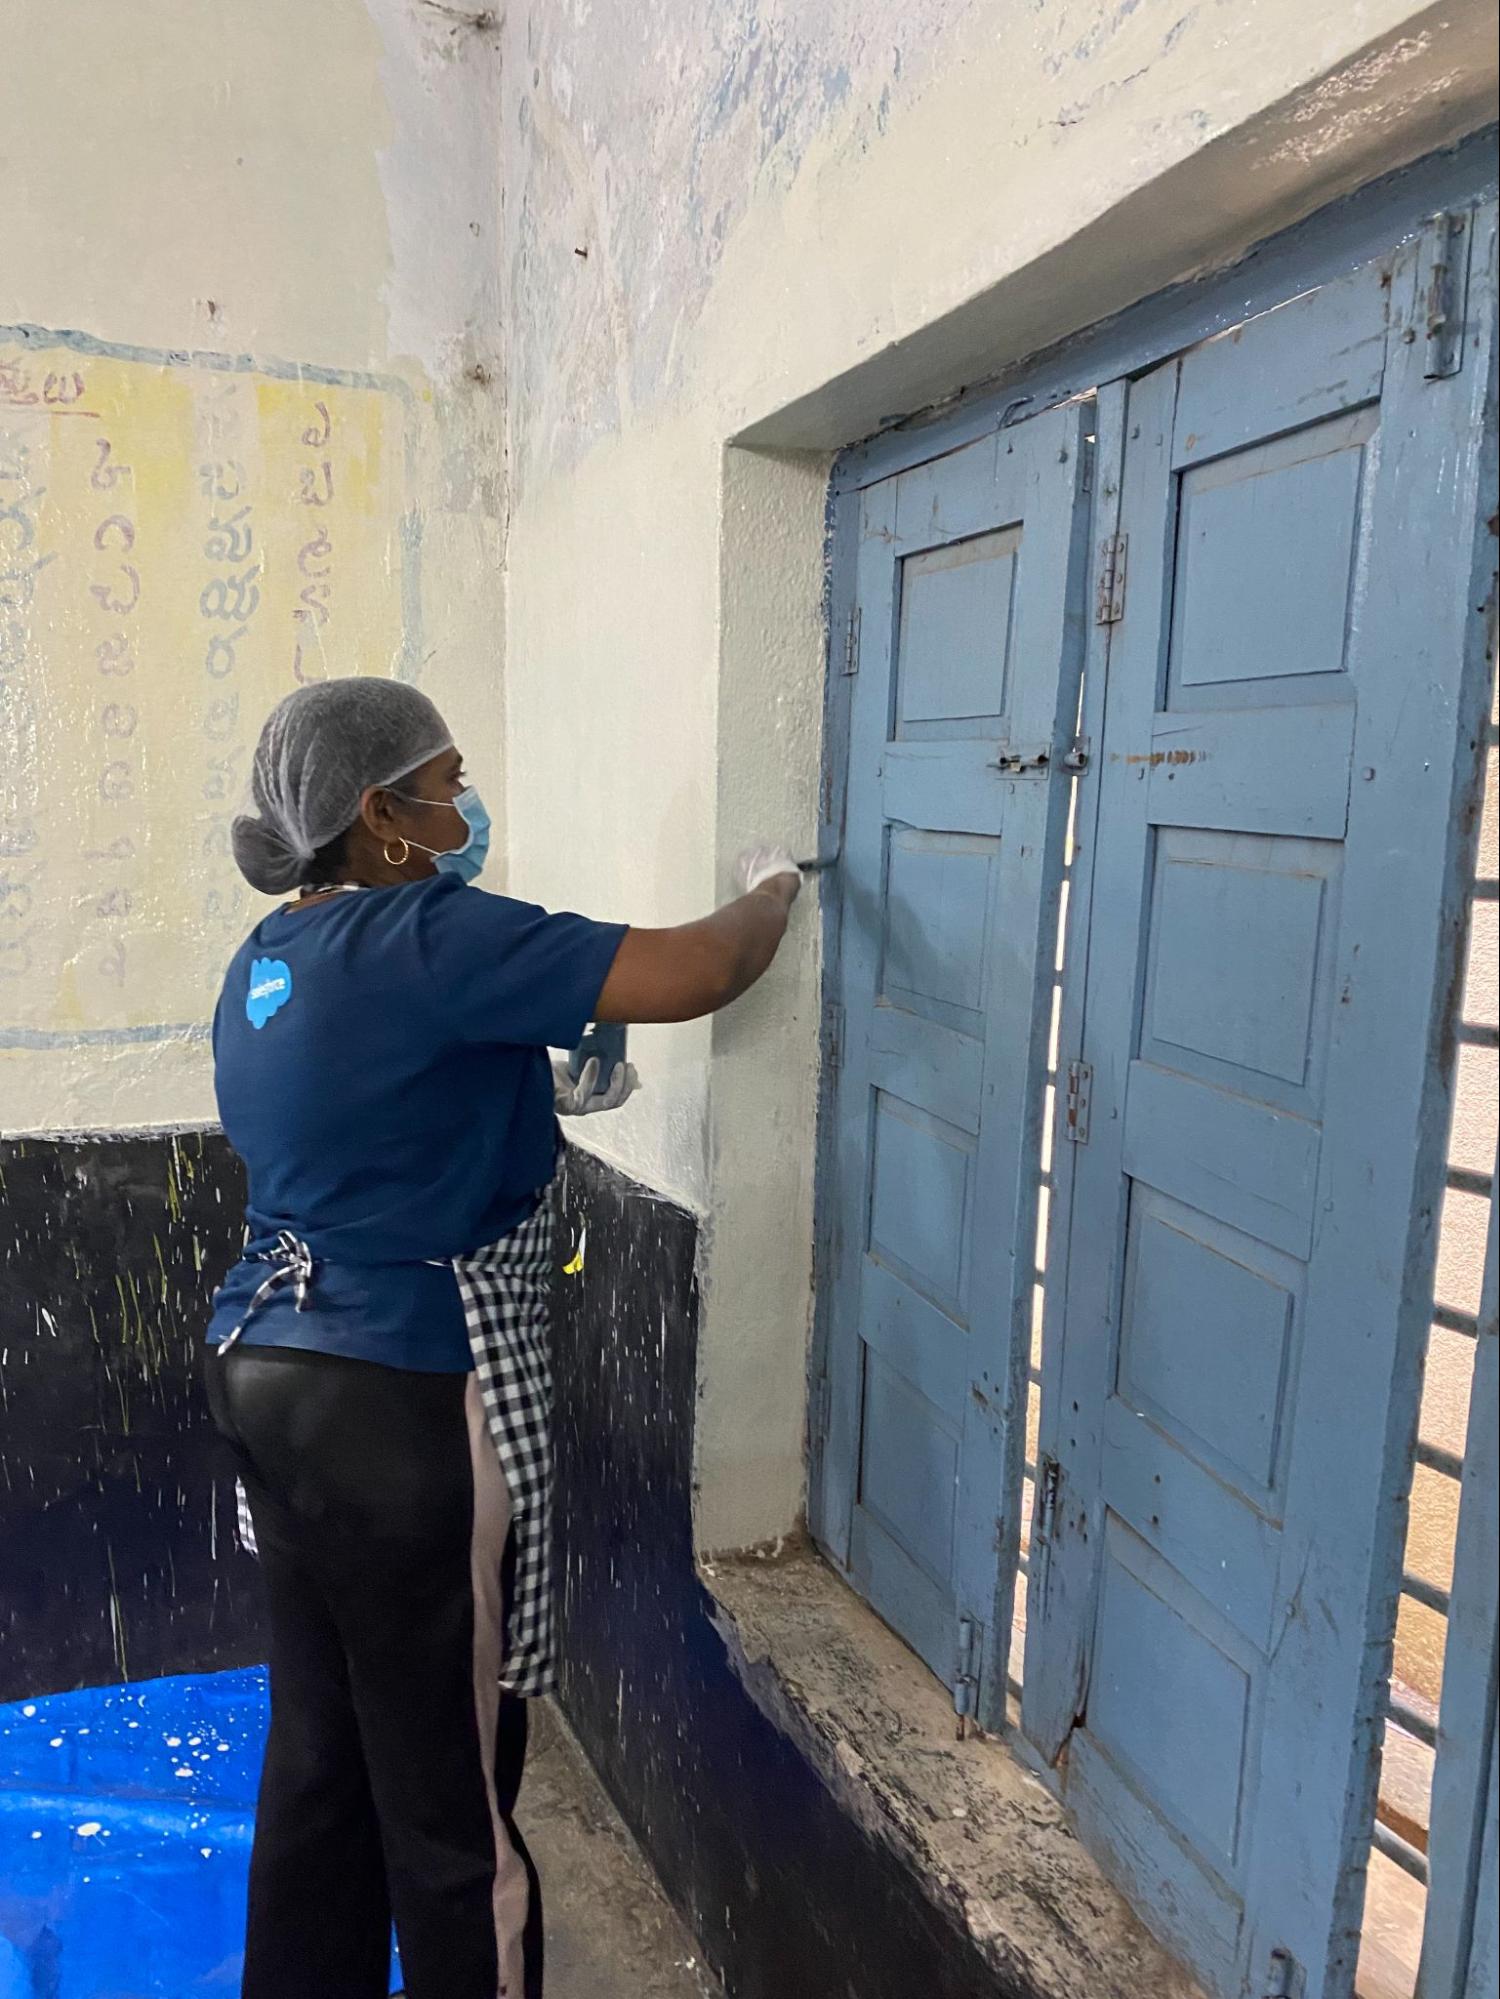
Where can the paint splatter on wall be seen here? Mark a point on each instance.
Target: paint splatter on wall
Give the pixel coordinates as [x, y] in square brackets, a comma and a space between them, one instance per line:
[619, 208]
[118, 1557]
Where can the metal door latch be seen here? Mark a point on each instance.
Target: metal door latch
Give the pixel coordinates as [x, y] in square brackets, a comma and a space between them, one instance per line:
[1037, 762]
[1023, 763]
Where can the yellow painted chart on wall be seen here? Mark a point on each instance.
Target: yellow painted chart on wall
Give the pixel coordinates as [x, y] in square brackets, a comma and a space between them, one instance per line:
[181, 544]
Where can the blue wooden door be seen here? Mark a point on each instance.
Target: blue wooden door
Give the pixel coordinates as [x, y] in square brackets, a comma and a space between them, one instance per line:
[1293, 697]
[969, 580]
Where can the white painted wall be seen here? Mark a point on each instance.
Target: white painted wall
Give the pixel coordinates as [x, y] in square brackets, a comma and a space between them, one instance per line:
[737, 237]
[300, 184]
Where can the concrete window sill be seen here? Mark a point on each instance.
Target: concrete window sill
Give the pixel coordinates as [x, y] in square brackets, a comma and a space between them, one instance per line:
[986, 1841]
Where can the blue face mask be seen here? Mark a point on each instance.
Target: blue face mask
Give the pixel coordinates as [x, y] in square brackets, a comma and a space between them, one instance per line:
[467, 861]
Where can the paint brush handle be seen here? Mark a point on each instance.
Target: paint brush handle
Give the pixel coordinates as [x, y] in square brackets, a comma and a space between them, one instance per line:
[606, 1041]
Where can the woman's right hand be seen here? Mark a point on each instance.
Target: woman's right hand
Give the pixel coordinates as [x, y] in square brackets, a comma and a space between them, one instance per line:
[764, 863]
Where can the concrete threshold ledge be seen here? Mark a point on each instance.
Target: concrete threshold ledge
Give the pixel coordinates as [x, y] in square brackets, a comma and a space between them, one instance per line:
[982, 1836]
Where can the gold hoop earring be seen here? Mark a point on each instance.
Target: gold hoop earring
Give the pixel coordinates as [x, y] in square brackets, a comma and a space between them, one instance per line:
[397, 860]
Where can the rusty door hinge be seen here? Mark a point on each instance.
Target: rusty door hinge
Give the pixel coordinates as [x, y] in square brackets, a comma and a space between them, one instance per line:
[1112, 579]
[1076, 1102]
[966, 1673]
[1048, 1485]
[1442, 302]
[851, 642]
[1043, 1527]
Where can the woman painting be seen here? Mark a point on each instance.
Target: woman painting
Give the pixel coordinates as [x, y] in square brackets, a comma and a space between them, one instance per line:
[378, 1357]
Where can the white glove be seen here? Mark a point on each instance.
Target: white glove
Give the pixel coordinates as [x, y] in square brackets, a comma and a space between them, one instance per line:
[578, 1100]
[761, 863]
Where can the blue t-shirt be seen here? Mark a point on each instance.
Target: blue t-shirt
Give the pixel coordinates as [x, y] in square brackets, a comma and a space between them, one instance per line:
[381, 1067]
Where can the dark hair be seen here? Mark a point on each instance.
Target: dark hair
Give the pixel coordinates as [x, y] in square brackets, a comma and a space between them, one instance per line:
[331, 862]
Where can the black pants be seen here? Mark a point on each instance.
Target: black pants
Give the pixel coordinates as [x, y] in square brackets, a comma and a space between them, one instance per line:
[393, 1762]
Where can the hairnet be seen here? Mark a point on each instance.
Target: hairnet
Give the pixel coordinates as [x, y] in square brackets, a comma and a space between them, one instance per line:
[319, 752]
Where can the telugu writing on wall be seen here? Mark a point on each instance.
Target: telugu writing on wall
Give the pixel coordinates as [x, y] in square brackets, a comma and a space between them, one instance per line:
[181, 544]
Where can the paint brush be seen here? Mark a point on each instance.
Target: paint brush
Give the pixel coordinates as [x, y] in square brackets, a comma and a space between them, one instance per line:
[817, 867]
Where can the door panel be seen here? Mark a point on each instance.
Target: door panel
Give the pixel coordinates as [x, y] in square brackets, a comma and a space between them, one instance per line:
[1237, 959]
[1226, 405]
[1207, 770]
[1266, 542]
[1169, 1671]
[1183, 1272]
[1289, 689]
[954, 654]
[969, 595]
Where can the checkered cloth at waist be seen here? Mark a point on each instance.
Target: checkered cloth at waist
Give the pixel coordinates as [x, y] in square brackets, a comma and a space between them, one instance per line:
[506, 1294]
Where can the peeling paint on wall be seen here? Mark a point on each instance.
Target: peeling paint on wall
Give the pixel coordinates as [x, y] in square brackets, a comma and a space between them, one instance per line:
[651, 183]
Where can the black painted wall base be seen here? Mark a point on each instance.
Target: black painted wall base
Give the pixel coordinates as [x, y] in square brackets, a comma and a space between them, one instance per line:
[789, 1897]
[117, 1550]
[118, 1556]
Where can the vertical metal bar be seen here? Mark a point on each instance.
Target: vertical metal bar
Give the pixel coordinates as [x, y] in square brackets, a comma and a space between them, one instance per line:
[1055, 1642]
[1466, 1721]
[1041, 822]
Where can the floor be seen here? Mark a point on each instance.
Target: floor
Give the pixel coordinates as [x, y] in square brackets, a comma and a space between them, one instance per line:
[610, 1932]
[125, 1825]
[1391, 1943]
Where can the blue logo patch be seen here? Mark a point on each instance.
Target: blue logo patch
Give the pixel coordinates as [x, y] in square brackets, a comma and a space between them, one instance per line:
[270, 989]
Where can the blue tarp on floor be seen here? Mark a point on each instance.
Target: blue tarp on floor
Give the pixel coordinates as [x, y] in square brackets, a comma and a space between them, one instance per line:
[125, 1823]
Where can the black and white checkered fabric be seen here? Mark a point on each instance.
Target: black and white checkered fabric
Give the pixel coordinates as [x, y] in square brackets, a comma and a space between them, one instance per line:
[506, 1292]
[244, 1525]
